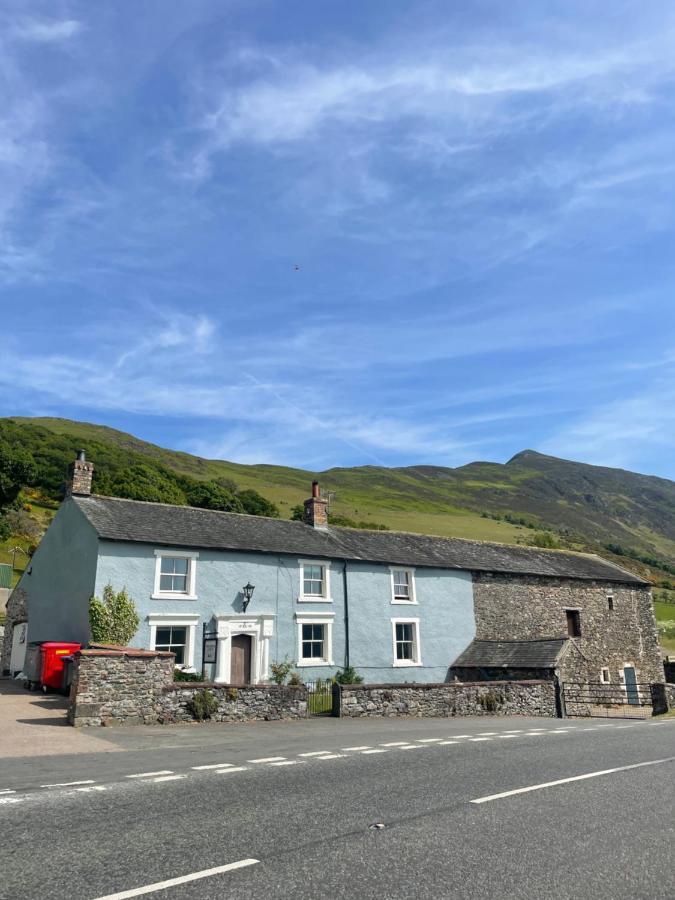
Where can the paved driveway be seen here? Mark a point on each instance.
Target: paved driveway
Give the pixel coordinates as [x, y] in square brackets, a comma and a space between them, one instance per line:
[34, 724]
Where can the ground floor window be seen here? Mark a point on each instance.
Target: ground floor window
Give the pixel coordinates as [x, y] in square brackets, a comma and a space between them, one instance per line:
[406, 642]
[173, 639]
[315, 639]
[604, 676]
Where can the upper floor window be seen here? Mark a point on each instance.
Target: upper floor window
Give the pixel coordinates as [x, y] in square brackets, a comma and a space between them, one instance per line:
[604, 676]
[175, 574]
[315, 581]
[402, 585]
[573, 622]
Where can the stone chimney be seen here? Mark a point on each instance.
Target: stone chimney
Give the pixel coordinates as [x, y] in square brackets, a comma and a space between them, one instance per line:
[315, 509]
[79, 476]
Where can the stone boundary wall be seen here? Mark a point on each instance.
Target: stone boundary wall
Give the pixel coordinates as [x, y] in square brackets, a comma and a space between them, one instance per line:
[124, 686]
[236, 703]
[115, 687]
[494, 698]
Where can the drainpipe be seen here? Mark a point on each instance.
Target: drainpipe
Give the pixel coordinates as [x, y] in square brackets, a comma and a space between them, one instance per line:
[346, 602]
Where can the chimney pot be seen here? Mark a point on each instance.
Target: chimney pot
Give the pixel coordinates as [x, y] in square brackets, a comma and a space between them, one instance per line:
[80, 473]
[315, 509]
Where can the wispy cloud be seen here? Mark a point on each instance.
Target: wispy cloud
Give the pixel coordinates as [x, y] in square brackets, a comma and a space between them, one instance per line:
[46, 31]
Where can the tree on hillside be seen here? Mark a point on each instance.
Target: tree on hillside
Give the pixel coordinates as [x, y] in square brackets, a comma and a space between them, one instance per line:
[17, 470]
[209, 495]
[255, 504]
[141, 482]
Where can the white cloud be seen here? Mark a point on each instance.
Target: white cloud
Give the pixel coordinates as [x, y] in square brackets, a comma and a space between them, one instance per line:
[47, 31]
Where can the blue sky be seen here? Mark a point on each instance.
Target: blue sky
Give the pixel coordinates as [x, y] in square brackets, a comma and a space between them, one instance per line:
[324, 234]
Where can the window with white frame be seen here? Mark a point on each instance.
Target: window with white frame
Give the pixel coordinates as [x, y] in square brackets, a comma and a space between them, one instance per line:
[314, 581]
[315, 640]
[174, 639]
[403, 585]
[406, 635]
[604, 676]
[176, 634]
[175, 574]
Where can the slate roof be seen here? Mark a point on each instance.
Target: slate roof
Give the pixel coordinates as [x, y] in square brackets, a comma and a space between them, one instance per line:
[541, 654]
[185, 526]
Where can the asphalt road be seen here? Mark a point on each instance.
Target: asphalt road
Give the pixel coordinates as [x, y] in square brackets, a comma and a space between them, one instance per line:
[307, 822]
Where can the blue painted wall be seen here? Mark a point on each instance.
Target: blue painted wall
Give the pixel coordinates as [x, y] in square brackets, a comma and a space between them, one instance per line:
[63, 571]
[444, 606]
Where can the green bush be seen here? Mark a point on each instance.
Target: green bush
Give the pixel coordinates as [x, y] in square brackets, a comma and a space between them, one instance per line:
[180, 675]
[281, 670]
[203, 705]
[296, 679]
[113, 620]
[348, 676]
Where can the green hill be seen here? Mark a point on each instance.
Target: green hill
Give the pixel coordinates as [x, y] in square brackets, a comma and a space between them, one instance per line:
[531, 499]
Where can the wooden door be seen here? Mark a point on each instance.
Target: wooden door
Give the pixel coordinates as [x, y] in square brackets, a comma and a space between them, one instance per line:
[240, 667]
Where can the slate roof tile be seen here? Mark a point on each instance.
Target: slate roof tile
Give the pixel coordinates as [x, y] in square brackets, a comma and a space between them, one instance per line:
[184, 526]
[540, 654]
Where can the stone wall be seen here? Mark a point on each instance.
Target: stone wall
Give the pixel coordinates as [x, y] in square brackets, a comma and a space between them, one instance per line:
[112, 687]
[495, 698]
[135, 687]
[529, 607]
[263, 702]
[17, 612]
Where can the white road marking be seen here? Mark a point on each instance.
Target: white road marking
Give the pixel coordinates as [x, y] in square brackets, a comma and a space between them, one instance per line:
[488, 733]
[395, 744]
[475, 740]
[364, 747]
[514, 731]
[558, 731]
[213, 766]
[287, 762]
[315, 753]
[7, 791]
[5, 800]
[184, 879]
[457, 736]
[68, 784]
[535, 734]
[230, 771]
[377, 750]
[167, 778]
[151, 774]
[92, 787]
[592, 728]
[503, 737]
[266, 759]
[429, 740]
[412, 747]
[336, 755]
[445, 743]
[547, 784]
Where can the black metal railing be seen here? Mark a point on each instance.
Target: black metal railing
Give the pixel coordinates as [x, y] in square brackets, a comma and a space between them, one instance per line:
[597, 699]
[319, 697]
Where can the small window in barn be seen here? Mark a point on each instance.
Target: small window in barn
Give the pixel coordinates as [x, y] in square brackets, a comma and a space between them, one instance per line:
[610, 602]
[604, 676]
[573, 622]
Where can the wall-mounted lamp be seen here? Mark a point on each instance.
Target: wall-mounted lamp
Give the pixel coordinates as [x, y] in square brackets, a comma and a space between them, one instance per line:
[247, 591]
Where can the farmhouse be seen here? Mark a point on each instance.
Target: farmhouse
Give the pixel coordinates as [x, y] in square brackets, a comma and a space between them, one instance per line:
[398, 607]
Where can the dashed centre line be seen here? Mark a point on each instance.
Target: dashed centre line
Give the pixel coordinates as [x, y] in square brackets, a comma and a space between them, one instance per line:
[167, 778]
[375, 750]
[429, 740]
[395, 744]
[476, 740]
[316, 753]
[68, 783]
[231, 771]
[267, 759]
[150, 774]
[364, 747]
[213, 766]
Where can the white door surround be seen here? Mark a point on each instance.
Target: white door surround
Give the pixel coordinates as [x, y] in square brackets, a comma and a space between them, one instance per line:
[260, 629]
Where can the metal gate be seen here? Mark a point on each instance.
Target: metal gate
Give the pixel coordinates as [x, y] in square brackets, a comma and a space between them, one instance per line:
[597, 699]
[321, 698]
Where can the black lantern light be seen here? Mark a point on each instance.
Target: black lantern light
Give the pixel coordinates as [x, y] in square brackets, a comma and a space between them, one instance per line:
[247, 591]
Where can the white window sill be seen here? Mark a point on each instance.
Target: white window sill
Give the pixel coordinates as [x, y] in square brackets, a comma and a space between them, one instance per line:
[405, 664]
[176, 596]
[311, 599]
[307, 663]
[399, 602]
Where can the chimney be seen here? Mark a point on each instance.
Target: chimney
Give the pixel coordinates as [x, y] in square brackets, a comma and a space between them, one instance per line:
[79, 476]
[315, 509]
